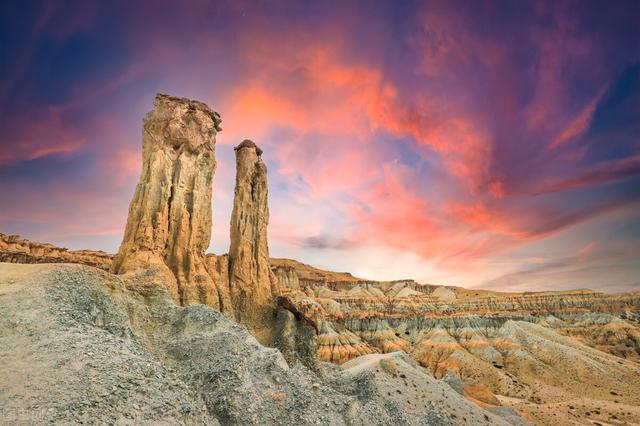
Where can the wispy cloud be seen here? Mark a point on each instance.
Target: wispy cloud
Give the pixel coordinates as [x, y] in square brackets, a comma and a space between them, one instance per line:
[451, 137]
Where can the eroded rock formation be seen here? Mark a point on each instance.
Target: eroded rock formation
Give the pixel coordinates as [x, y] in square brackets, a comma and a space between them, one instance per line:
[169, 223]
[534, 348]
[251, 282]
[494, 348]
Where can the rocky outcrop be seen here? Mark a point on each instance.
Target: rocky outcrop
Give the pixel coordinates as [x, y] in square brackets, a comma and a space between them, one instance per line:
[251, 282]
[340, 346]
[169, 223]
[287, 277]
[444, 293]
[83, 346]
[14, 249]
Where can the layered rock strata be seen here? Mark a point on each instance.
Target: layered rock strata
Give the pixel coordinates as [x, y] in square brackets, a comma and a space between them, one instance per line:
[389, 323]
[535, 352]
[169, 223]
[251, 282]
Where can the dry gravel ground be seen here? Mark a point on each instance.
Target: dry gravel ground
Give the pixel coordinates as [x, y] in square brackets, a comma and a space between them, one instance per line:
[78, 345]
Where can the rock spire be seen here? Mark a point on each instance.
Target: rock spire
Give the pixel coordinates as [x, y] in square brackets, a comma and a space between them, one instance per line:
[251, 281]
[169, 223]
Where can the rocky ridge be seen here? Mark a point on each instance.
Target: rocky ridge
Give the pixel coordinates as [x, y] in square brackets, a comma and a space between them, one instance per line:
[80, 345]
[14, 249]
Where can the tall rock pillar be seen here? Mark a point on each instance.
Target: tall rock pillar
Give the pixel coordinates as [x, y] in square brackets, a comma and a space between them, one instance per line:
[251, 281]
[169, 224]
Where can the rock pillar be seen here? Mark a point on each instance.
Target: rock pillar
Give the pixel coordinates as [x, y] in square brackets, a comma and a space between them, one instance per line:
[251, 281]
[169, 223]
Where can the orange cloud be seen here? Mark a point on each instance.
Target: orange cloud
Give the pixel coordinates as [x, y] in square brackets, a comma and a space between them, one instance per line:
[318, 115]
[480, 217]
[465, 149]
[312, 113]
[387, 212]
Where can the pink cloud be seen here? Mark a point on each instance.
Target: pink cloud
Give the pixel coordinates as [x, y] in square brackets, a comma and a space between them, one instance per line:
[595, 175]
[40, 137]
[463, 146]
[81, 211]
[389, 213]
[127, 163]
[320, 105]
[578, 125]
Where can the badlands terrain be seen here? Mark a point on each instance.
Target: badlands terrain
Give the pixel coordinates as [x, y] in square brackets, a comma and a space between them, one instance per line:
[163, 333]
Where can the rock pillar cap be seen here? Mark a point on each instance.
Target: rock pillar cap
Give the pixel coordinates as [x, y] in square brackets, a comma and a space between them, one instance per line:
[247, 143]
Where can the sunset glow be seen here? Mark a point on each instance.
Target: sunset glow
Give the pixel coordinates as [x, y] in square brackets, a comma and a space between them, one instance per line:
[481, 144]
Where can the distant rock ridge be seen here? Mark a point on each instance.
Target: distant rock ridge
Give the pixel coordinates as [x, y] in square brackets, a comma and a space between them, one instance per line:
[15, 249]
[390, 316]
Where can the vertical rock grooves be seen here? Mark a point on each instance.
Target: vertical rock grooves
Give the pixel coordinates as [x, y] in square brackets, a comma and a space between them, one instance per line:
[251, 281]
[169, 223]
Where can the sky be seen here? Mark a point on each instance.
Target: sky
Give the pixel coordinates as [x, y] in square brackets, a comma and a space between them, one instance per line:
[491, 144]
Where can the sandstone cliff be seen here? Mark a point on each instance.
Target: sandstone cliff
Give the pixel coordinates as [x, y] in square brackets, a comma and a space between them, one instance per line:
[251, 281]
[169, 223]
